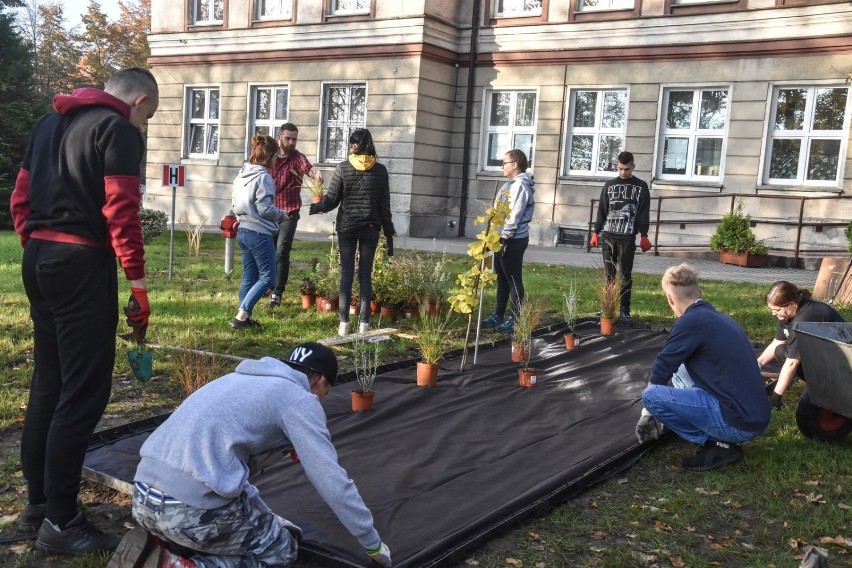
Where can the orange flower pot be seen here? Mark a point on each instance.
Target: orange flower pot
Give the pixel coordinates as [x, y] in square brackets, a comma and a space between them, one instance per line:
[316, 198]
[375, 308]
[362, 400]
[427, 374]
[528, 377]
[327, 306]
[520, 353]
[572, 340]
[388, 312]
[607, 327]
[308, 300]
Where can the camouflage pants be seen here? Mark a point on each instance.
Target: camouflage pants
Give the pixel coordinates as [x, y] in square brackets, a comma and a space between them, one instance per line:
[237, 535]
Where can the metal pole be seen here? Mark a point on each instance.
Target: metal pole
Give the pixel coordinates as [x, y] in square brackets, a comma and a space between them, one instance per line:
[479, 317]
[172, 235]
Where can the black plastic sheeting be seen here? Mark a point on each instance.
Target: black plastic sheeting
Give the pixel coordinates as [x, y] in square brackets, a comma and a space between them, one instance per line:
[445, 469]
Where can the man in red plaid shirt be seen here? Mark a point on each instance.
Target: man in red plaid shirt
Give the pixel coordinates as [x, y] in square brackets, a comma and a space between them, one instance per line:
[288, 170]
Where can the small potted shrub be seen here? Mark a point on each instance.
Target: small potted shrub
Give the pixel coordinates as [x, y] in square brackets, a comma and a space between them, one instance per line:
[571, 299]
[528, 316]
[736, 242]
[308, 290]
[367, 356]
[328, 281]
[314, 187]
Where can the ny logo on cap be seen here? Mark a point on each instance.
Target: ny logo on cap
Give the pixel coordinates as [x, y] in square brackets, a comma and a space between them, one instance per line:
[300, 353]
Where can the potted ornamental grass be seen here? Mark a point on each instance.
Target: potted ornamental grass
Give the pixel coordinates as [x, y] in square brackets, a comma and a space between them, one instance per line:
[735, 241]
[608, 291]
[570, 306]
[528, 315]
[432, 340]
[314, 187]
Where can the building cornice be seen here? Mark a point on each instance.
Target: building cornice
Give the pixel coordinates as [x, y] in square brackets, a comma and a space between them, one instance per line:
[784, 32]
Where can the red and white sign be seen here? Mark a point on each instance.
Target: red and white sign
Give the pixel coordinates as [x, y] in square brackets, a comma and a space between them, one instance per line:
[173, 175]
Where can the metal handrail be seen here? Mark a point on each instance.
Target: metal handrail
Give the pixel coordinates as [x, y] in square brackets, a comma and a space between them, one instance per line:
[800, 222]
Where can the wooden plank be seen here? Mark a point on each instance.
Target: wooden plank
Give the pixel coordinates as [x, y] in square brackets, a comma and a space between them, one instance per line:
[352, 337]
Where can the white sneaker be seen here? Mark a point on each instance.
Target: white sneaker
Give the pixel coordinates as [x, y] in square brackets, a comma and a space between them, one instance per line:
[363, 327]
[343, 329]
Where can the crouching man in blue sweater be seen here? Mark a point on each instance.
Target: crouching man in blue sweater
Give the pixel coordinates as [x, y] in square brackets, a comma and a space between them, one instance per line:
[191, 485]
[717, 400]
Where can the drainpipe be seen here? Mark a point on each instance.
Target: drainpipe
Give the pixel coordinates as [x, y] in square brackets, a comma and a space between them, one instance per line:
[468, 117]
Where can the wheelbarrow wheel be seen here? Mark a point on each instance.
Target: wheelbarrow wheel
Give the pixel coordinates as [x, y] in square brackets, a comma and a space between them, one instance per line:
[819, 423]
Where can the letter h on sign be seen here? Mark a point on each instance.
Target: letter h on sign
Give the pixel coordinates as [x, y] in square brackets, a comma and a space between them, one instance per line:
[173, 175]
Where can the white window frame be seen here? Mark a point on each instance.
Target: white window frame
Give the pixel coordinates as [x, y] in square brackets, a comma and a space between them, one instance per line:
[711, 173]
[806, 135]
[597, 131]
[349, 124]
[205, 121]
[338, 10]
[283, 10]
[273, 122]
[211, 11]
[516, 8]
[511, 130]
[604, 5]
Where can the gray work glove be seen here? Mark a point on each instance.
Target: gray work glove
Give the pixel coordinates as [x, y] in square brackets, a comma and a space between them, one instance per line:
[648, 428]
[381, 555]
[291, 528]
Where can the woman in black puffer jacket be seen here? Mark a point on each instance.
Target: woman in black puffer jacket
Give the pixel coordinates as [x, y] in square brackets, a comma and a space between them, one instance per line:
[360, 188]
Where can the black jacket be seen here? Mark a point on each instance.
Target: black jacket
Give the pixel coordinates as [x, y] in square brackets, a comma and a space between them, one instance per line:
[363, 198]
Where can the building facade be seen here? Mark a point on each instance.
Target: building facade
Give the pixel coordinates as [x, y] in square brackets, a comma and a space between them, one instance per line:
[713, 97]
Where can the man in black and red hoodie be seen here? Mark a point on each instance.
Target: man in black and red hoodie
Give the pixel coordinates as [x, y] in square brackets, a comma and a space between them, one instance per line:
[76, 207]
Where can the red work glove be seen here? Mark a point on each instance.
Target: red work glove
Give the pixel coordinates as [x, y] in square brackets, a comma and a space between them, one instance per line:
[137, 311]
[645, 244]
[593, 242]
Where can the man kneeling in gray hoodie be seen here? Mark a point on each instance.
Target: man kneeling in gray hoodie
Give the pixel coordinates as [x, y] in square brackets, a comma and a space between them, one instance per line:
[191, 486]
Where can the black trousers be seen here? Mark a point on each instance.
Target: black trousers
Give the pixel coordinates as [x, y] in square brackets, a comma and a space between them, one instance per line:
[365, 241]
[73, 294]
[508, 266]
[283, 246]
[618, 254]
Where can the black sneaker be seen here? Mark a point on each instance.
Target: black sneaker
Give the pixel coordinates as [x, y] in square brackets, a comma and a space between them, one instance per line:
[32, 518]
[274, 301]
[712, 455]
[78, 537]
[625, 317]
[492, 321]
[244, 324]
[134, 549]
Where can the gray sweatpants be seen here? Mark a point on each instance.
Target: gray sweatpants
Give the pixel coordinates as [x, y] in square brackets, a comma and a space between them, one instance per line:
[240, 534]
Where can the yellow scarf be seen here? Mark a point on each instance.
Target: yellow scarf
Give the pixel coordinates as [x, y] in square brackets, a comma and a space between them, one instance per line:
[362, 162]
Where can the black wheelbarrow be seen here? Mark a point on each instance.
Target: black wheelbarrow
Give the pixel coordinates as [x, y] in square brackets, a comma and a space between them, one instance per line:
[824, 411]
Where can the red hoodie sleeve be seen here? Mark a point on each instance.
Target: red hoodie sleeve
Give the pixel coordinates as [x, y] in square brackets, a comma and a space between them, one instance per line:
[121, 211]
[20, 205]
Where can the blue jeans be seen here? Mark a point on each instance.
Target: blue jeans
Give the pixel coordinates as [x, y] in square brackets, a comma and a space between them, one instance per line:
[258, 252]
[691, 412]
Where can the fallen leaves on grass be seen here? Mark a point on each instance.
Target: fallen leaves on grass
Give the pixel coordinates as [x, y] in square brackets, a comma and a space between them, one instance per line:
[702, 491]
[662, 526]
[838, 540]
[514, 562]
[677, 561]
[20, 548]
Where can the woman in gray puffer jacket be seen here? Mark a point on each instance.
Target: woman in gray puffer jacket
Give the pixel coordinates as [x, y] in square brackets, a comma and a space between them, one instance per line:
[360, 188]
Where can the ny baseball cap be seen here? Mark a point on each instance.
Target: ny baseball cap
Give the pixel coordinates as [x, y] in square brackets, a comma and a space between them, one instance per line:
[314, 357]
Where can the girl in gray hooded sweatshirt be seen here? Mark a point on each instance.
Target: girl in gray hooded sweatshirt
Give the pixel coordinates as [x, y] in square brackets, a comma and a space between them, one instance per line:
[253, 201]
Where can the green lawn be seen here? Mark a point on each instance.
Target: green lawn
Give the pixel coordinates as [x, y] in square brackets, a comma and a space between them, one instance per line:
[789, 493]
